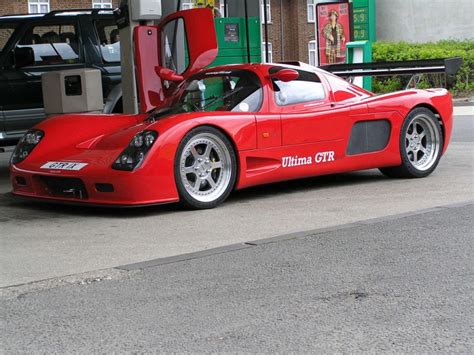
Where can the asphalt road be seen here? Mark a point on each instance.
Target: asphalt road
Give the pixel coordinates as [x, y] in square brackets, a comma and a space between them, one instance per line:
[39, 241]
[400, 285]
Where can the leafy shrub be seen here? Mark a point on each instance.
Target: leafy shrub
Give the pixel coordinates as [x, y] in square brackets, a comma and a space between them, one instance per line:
[395, 51]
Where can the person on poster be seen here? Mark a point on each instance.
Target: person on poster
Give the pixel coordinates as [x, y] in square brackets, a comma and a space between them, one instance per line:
[333, 32]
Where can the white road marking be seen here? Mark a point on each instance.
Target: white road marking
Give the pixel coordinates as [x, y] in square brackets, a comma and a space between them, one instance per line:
[463, 110]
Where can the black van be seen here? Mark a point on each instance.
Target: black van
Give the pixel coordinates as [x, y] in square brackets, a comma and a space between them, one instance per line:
[31, 45]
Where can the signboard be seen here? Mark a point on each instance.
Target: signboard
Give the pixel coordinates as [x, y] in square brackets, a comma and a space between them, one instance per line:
[231, 32]
[363, 15]
[334, 30]
[361, 27]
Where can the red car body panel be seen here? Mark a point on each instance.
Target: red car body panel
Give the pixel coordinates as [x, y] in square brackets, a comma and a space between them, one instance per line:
[266, 143]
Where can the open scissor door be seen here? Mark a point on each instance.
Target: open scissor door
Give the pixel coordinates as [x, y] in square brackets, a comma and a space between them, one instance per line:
[181, 45]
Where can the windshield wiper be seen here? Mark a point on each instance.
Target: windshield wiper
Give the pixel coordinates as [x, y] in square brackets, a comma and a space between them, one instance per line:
[166, 110]
[194, 104]
[155, 115]
[223, 97]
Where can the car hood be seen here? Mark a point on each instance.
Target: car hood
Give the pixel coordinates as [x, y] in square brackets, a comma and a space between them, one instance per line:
[66, 131]
[94, 138]
[68, 136]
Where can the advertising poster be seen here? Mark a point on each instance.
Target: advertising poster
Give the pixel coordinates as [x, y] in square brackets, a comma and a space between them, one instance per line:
[334, 30]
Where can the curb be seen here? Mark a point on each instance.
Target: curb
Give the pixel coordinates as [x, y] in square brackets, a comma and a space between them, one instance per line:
[297, 235]
[128, 270]
[464, 101]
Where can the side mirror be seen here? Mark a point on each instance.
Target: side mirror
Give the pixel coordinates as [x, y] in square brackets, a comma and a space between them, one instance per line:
[168, 74]
[285, 75]
[24, 56]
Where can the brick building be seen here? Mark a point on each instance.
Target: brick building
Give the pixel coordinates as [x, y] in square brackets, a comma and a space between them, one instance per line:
[291, 30]
[43, 6]
[291, 27]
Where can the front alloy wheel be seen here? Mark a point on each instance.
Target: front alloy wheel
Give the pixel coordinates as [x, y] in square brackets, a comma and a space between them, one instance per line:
[205, 168]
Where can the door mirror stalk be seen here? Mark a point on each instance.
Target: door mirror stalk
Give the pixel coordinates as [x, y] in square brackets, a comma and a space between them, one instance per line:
[285, 75]
[168, 74]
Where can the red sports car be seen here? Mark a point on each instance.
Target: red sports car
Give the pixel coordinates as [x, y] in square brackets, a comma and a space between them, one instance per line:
[207, 132]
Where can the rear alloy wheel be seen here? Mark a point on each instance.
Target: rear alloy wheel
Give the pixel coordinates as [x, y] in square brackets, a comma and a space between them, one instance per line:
[421, 145]
[205, 168]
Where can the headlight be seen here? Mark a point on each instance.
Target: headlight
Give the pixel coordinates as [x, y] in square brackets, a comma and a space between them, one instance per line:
[26, 145]
[133, 156]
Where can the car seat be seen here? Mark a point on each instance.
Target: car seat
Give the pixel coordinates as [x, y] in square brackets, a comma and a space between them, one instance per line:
[71, 39]
[243, 90]
[50, 37]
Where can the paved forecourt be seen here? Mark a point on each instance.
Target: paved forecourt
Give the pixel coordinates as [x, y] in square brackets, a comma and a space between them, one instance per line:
[401, 284]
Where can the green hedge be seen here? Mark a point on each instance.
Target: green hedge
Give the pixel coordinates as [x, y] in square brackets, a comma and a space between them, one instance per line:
[390, 51]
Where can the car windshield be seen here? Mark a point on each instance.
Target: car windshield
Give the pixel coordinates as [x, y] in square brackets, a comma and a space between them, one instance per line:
[231, 91]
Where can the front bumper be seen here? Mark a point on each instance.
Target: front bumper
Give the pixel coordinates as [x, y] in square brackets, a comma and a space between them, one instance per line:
[113, 189]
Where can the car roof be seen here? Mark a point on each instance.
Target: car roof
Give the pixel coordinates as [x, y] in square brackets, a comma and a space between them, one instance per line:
[57, 13]
[253, 66]
[18, 18]
[21, 16]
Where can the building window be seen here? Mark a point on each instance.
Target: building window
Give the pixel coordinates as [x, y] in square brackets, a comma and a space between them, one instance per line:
[269, 11]
[270, 53]
[222, 8]
[187, 4]
[101, 4]
[38, 6]
[312, 53]
[311, 10]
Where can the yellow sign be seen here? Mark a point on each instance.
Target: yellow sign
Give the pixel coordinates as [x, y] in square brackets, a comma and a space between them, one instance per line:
[204, 3]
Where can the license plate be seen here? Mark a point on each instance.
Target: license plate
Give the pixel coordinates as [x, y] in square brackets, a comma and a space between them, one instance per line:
[63, 165]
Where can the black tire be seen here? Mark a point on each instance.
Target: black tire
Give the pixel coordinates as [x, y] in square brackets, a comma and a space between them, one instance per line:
[204, 173]
[409, 168]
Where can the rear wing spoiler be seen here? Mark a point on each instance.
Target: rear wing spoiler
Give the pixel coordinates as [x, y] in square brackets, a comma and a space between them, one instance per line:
[415, 68]
[448, 66]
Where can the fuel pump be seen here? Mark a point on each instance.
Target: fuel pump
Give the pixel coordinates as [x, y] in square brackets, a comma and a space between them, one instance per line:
[130, 14]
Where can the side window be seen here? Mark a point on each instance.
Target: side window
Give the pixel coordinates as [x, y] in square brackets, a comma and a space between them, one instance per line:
[52, 44]
[6, 31]
[109, 40]
[306, 88]
[175, 47]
